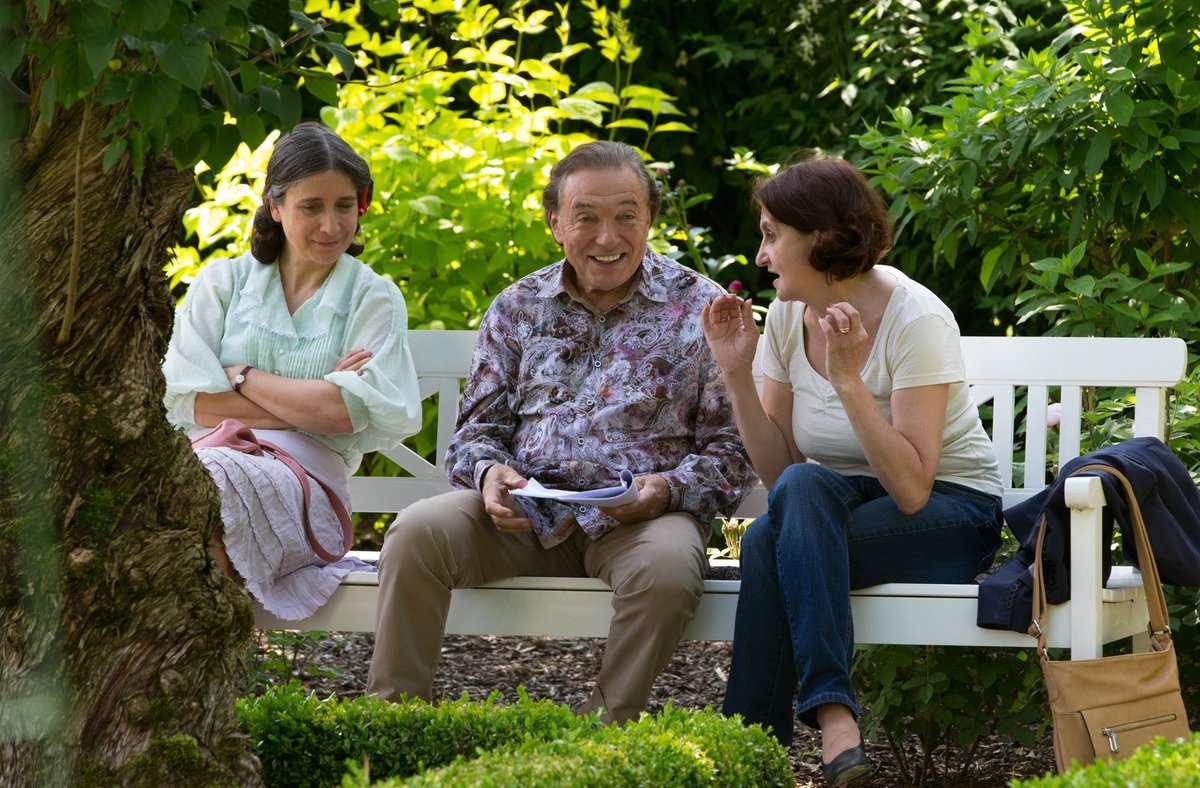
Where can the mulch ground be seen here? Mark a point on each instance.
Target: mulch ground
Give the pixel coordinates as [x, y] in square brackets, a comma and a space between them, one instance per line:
[562, 670]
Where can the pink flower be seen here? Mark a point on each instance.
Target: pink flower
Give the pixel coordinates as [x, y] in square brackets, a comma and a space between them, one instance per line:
[1053, 415]
[735, 286]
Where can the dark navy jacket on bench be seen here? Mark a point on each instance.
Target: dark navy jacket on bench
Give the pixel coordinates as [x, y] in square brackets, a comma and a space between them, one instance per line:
[1170, 505]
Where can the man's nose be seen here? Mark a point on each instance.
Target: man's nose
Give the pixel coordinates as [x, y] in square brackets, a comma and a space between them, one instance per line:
[606, 232]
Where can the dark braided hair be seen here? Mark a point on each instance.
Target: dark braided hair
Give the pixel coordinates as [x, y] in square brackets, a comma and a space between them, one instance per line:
[827, 196]
[308, 149]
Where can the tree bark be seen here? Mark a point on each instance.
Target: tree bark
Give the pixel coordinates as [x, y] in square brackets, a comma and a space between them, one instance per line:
[122, 644]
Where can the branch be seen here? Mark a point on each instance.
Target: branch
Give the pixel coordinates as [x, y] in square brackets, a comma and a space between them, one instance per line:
[391, 83]
[318, 27]
[64, 333]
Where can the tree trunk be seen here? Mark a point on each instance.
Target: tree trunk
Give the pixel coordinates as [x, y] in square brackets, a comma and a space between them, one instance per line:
[122, 644]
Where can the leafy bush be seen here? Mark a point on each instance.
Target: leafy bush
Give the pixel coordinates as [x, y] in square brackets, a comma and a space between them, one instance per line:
[461, 128]
[1155, 765]
[950, 699]
[1077, 161]
[304, 741]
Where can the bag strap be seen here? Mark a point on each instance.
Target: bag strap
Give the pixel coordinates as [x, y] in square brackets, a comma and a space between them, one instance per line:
[1156, 602]
[334, 501]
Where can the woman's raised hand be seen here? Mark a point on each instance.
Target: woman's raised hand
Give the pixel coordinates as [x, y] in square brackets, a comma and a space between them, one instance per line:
[846, 342]
[728, 323]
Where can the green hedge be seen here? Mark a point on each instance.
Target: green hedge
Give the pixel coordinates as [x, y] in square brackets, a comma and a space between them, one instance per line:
[1156, 765]
[302, 740]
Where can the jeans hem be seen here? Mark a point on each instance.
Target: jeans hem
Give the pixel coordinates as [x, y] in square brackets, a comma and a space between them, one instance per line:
[806, 710]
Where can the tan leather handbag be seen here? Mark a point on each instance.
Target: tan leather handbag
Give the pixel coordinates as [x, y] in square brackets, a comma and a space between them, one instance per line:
[1104, 709]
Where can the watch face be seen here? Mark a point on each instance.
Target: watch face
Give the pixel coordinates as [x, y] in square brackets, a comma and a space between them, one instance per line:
[239, 379]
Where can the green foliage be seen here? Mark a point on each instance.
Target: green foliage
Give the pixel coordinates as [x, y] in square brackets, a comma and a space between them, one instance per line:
[1076, 161]
[277, 656]
[950, 699]
[302, 740]
[175, 71]
[676, 237]
[461, 129]
[1068, 176]
[676, 748]
[1155, 765]
[774, 77]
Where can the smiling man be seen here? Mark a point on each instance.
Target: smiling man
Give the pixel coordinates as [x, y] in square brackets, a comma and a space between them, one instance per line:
[590, 366]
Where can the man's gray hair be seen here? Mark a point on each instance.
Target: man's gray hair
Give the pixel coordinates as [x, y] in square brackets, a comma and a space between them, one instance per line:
[600, 155]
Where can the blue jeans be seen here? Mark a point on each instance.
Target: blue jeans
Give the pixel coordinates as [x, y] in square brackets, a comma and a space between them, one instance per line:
[824, 534]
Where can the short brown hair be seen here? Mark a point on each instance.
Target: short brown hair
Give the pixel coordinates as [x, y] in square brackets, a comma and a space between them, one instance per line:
[829, 197]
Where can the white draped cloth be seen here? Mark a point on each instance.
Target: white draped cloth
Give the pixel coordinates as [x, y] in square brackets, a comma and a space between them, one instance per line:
[262, 507]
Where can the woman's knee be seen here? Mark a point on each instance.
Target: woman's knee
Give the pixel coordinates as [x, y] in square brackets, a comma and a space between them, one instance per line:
[805, 479]
[809, 506]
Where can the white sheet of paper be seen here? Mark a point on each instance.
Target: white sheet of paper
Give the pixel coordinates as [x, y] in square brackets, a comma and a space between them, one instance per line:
[606, 496]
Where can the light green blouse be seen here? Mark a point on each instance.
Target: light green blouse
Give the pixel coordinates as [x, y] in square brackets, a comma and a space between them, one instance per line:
[235, 313]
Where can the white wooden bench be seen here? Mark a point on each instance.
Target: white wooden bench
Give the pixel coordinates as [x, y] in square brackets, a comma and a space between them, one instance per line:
[1002, 371]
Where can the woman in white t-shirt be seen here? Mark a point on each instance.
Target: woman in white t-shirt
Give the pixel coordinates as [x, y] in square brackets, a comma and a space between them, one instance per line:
[865, 434]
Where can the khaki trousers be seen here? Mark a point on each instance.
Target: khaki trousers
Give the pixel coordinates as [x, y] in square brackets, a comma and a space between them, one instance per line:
[655, 568]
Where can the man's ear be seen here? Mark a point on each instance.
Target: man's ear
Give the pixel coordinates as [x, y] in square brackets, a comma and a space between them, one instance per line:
[552, 222]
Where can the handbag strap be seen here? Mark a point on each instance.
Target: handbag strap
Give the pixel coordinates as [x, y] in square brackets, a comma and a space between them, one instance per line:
[335, 502]
[1156, 602]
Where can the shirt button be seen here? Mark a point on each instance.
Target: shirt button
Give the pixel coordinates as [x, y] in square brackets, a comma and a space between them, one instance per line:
[591, 403]
[581, 509]
[580, 441]
[581, 481]
[282, 351]
[596, 364]
[603, 318]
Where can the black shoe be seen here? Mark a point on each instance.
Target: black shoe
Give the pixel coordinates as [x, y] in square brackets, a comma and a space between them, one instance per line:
[849, 765]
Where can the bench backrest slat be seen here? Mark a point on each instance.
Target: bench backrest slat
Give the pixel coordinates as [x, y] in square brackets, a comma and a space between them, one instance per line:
[1014, 375]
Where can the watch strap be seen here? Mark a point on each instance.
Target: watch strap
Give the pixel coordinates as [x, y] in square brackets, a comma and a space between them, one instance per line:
[240, 378]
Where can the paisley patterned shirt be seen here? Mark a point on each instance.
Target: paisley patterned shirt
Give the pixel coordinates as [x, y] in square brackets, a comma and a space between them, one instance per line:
[572, 397]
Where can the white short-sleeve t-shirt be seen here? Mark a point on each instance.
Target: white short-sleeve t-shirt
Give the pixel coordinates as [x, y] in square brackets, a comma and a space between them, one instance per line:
[918, 344]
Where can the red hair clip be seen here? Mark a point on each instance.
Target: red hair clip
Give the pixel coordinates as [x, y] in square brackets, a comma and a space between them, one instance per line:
[364, 197]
